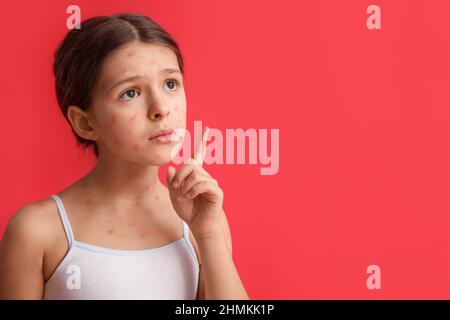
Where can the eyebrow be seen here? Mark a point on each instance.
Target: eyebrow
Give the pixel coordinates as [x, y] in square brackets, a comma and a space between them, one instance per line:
[137, 77]
[169, 70]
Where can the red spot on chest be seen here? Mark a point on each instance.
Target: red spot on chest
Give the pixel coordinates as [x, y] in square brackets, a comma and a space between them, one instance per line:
[110, 231]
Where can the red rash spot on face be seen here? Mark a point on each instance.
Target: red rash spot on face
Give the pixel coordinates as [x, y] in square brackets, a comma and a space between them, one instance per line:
[132, 118]
[156, 198]
[110, 231]
[130, 54]
[136, 147]
[141, 234]
[131, 224]
[88, 201]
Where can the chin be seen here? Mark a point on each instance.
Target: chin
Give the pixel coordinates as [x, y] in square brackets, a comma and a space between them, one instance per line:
[158, 159]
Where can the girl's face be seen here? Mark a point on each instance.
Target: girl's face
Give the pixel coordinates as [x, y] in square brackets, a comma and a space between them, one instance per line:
[139, 90]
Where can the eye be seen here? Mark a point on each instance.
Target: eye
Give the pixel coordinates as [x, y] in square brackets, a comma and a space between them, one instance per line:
[129, 94]
[172, 84]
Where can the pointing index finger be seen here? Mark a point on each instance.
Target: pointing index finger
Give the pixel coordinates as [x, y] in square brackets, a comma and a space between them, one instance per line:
[200, 153]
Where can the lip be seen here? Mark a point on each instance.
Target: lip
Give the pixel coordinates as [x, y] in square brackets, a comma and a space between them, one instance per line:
[160, 133]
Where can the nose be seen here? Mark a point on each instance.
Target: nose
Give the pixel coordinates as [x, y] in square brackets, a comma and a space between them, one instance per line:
[158, 108]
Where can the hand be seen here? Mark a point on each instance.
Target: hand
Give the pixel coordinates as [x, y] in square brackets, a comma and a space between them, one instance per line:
[195, 195]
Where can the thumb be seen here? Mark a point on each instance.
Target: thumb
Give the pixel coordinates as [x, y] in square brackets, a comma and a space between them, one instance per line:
[170, 174]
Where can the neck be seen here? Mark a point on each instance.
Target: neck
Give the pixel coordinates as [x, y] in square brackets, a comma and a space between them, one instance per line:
[124, 183]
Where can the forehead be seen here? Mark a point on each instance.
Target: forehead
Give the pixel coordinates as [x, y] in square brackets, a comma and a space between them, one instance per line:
[136, 58]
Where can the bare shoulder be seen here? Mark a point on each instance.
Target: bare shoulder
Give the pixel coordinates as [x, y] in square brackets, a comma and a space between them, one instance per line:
[22, 248]
[32, 223]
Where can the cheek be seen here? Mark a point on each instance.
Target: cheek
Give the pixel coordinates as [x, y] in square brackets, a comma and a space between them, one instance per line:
[118, 141]
[130, 123]
[110, 122]
[131, 120]
[180, 114]
[119, 127]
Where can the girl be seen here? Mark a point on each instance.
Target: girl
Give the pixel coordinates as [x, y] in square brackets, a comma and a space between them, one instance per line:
[118, 232]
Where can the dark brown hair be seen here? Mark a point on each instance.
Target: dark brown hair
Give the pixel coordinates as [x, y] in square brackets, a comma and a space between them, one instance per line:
[80, 55]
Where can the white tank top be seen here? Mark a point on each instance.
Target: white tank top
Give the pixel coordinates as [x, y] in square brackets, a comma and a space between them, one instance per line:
[91, 272]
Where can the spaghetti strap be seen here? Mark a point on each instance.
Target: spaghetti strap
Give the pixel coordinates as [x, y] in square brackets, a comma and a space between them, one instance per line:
[64, 219]
[185, 230]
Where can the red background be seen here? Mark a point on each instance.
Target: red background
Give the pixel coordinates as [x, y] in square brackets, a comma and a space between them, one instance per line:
[364, 133]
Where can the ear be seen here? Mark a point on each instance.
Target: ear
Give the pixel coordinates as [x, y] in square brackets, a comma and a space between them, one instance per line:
[82, 123]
